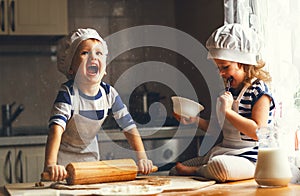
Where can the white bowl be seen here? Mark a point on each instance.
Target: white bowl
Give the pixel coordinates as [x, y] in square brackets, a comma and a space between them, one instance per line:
[186, 107]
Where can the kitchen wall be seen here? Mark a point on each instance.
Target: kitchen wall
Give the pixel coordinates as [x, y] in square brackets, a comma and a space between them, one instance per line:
[28, 69]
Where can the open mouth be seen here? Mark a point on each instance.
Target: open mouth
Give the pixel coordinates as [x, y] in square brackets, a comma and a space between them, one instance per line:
[92, 69]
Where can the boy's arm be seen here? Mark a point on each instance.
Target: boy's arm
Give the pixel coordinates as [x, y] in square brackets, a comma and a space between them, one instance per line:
[57, 172]
[135, 141]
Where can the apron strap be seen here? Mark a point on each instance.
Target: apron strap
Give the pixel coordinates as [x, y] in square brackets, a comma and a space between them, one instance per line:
[76, 99]
[105, 101]
[236, 102]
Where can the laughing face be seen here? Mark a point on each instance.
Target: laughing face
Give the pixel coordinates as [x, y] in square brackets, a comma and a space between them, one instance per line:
[89, 62]
[231, 70]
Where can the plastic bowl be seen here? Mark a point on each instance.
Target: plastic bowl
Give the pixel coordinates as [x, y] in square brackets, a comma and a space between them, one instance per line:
[186, 107]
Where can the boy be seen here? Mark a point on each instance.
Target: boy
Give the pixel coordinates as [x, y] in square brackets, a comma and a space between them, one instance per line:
[82, 105]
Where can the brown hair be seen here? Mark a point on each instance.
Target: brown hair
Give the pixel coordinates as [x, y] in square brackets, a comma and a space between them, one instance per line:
[256, 71]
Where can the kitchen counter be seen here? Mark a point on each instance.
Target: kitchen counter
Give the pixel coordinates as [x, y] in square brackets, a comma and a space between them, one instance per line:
[242, 188]
[29, 140]
[107, 135]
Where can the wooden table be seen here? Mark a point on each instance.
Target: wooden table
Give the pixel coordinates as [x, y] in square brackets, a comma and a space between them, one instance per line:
[240, 188]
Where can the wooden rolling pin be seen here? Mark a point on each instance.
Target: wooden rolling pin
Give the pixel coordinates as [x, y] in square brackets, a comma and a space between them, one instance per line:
[99, 171]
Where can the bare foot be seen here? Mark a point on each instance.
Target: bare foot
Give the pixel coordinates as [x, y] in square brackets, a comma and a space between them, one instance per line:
[185, 170]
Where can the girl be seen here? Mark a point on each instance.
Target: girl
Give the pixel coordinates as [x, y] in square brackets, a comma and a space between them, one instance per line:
[246, 105]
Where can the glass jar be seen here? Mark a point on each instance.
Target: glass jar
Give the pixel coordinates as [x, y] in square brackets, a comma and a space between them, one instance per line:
[272, 167]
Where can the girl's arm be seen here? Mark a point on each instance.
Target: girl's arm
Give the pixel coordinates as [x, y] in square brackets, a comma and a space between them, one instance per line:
[135, 141]
[260, 114]
[57, 172]
[202, 123]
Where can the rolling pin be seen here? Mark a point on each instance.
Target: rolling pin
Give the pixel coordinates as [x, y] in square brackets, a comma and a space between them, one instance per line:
[99, 171]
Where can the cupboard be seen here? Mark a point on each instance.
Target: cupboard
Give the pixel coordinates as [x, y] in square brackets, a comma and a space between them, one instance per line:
[33, 17]
[21, 164]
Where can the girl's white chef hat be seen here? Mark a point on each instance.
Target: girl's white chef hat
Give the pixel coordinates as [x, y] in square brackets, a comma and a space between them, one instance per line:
[68, 45]
[234, 42]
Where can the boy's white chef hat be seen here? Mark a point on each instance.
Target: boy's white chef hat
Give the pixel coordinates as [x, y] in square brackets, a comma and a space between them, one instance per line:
[67, 47]
[234, 42]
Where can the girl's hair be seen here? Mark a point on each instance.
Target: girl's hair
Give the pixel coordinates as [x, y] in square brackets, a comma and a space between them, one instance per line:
[256, 72]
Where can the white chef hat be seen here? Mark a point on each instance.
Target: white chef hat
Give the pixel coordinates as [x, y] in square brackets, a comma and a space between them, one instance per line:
[234, 42]
[68, 45]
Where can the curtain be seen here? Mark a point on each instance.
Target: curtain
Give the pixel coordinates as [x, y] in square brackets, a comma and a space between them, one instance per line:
[278, 24]
[242, 12]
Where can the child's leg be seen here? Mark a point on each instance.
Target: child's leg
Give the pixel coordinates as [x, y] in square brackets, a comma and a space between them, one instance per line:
[227, 168]
[187, 167]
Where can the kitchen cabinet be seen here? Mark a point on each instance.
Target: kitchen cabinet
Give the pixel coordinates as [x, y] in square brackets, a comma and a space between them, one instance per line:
[21, 164]
[33, 17]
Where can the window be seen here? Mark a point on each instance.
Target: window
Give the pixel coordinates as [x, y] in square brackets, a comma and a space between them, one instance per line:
[278, 23]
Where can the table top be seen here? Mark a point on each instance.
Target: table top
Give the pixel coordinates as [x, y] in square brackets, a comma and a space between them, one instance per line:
[243, 188]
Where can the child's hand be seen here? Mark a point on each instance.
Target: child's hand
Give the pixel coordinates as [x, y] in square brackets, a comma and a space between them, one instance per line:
[57, 172]
[226, 101]
[145, 166]
[186, 121]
